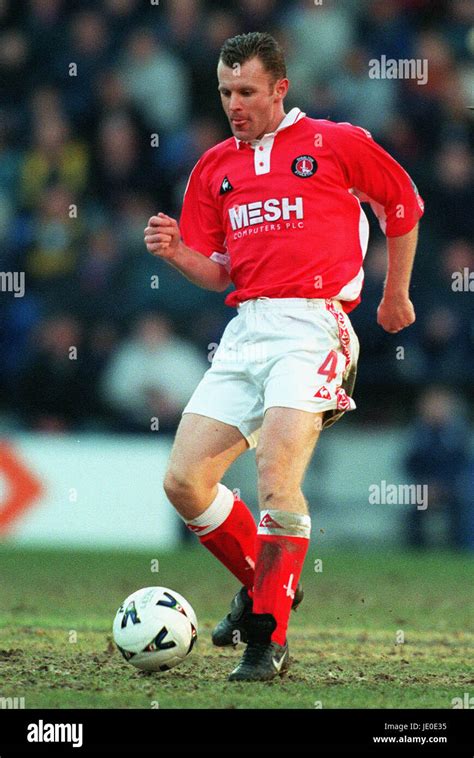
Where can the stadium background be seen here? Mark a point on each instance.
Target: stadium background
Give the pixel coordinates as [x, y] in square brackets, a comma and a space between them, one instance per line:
[104, 109]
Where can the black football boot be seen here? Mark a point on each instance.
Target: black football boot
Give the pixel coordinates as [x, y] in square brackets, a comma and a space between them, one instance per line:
[263, 659]
[233, 628]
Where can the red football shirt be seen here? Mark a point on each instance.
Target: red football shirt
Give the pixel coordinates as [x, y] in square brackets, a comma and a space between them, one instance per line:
[283, 213]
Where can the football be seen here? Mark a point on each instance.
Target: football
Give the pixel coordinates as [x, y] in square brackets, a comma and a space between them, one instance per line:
[155, 628]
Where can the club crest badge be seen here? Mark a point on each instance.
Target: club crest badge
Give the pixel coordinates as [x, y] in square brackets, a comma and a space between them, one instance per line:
[304, 166]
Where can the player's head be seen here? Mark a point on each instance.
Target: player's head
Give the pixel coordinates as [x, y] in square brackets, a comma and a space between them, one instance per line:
[252, 84]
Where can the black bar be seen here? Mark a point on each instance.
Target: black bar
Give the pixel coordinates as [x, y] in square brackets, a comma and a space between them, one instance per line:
[171, 732]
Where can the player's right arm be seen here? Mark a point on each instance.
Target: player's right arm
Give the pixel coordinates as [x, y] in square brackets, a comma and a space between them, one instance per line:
[197, 246]
[163, 239]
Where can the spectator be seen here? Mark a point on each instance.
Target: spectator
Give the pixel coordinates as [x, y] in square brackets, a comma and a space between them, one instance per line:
[52, 255]
[103, 341]
[457, 265]
[368, 102]
[258, 14]
[181, 151]
[122, 16]
[99, 277]
[220, 25]
[151, 376]
[53, 393]
[9, 164]
[54, 156]
[453, 188]
[444, 345]
[403, 143]
[14, 65]
[79, 176]
[156, 81]
[387, 30]
[424, 102]
[457, 29]
[183, 28]
[438, 457]
[120, 164]
[83, 58]
[44, 24]
[319, 37]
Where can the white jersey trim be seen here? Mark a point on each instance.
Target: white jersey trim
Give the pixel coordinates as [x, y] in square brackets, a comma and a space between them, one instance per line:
[352, 289]
[263, 147]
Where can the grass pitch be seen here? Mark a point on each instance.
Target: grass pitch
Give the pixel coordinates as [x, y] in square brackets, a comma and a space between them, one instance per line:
[377, 630]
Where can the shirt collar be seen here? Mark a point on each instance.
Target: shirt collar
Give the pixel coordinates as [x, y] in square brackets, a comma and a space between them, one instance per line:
[291, 118]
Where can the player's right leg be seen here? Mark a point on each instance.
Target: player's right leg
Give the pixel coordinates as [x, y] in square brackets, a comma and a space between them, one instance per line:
[203, 450]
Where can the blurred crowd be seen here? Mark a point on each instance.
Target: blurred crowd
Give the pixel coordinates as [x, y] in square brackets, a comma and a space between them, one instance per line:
[106, 106]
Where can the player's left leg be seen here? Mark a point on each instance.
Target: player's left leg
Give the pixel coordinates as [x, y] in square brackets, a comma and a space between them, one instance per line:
[203, 450]
[287, 440]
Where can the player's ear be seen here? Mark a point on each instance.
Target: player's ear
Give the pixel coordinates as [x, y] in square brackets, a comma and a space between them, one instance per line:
[281, 88]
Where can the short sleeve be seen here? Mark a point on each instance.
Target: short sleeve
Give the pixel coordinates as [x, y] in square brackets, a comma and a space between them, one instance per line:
[374, 176]
[200, 223]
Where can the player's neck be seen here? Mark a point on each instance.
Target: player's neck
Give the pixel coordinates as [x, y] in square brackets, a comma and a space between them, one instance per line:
[274, 124]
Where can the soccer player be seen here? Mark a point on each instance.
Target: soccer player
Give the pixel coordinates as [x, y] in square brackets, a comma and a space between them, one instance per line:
[276, 211]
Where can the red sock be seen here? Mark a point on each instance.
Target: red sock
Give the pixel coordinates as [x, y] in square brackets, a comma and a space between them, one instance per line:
[228, 530]
[282, 544]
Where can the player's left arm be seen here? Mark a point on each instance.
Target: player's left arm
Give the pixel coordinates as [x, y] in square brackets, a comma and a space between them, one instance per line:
[396, 310]
[374, 176]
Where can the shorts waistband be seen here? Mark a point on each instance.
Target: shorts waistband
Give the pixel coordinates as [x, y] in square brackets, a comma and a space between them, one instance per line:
[288, 303]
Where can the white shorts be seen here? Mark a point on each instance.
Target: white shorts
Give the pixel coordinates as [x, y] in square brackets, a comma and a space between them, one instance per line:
[288, 352]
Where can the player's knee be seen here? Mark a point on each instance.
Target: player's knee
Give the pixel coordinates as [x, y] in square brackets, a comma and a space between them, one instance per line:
[178, 487]
[272, 476]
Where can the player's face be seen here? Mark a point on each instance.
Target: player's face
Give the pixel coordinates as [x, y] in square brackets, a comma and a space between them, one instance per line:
[252, 101]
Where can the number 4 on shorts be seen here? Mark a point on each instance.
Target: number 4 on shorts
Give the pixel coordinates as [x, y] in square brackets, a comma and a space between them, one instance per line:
[328, 367]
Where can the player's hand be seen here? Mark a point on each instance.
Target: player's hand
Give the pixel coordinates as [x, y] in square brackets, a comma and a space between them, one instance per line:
[395, 312]
[162, 237]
